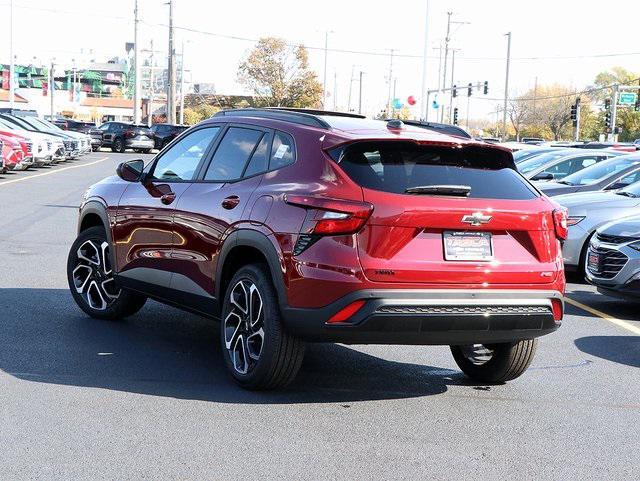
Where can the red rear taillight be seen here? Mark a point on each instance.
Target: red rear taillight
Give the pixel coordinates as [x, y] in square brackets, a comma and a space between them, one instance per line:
[556, 307]
[560, 223]
[346, 312]
[332, 216]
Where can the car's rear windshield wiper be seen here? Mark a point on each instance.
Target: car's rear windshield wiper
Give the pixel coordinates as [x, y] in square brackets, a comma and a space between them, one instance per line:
[454, 190]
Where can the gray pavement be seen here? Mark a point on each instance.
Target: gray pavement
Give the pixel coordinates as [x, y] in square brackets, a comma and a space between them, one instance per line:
[148, 398]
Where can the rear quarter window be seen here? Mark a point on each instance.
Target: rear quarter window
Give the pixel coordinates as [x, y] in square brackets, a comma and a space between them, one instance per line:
[395, 166]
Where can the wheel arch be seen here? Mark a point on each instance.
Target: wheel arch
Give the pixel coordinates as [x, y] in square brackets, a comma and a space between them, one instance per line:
[247, 246]
[93, 214]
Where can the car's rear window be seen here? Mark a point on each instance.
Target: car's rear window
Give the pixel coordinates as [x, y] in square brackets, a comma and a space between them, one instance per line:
[395, 166]
[601, 171]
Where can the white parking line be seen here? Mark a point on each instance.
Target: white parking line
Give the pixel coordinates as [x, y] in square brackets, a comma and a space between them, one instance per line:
[613, 320]
[7, 182]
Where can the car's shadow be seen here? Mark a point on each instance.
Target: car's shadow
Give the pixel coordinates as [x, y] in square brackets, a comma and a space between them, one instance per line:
[162, 351]
[620, 349]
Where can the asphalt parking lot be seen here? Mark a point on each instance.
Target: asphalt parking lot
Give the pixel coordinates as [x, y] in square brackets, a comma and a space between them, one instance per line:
[148, 398]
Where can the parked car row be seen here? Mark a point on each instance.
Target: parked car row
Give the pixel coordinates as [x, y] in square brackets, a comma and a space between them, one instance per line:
[600, 188]
[123, 136]
[32, 141]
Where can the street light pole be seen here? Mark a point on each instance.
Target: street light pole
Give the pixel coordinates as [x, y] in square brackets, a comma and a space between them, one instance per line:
[52, 87]
[424, 106]
[182, 85]
[360, 94]
[171, 77]
[12, 68]
[453, 67]
[446, 54]
[324, 76]
[136, 67]
[506, 89]
[390, 83]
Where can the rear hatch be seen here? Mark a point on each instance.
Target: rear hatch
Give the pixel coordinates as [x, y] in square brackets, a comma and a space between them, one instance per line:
[449, 215]
[139, 132]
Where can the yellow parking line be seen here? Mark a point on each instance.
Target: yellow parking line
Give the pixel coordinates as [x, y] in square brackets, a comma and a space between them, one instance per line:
[613, 320]
[7, 182]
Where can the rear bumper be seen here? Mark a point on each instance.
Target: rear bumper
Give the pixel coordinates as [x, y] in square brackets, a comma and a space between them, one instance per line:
[139, 144]
[445, 317]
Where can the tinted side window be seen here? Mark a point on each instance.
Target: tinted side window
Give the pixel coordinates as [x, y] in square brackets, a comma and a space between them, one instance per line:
[182, 159]
[282, 151]
[259, 160]
[232, 154]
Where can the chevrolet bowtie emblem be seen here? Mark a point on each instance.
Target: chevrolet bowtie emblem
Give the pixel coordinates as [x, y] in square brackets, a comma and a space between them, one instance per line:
[477, 218]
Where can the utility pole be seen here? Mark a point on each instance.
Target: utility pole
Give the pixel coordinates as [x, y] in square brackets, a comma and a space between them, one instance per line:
[52, 86]
[136, 66]
[74, 80]
[506, 88]
[360, 94]
[468, 107]
[324, 75]
[335, 90]
[423, 105]
[577, 137]
[171, 73]
[446, 55]
[151, 90]
[350, 89]
[614, 112]
[390, 82]
[12, 68]
[182, 85]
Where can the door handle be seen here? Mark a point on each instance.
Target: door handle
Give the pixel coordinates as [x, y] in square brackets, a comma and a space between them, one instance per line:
[231, 202]
[166, 199]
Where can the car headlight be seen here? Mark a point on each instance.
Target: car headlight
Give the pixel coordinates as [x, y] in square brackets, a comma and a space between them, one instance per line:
[574, 219]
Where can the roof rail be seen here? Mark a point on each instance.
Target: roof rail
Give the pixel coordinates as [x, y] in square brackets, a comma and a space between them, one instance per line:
[292, 116]
[329, 113]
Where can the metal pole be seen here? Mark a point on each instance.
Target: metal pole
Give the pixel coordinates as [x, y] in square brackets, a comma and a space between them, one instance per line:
[324, 75]
[577, 138]
[360, 94]
[614, 112]
[395, 82]
[335, 91]
[350, 89]
[136, 67]
[151, 90]
[12, 69]
[52, 86]
[425, 106]
[453, 67]
[506, 89]
[171, 87]
[468, 107]
[426, 114]
[446, 55]
[182, 85]
[390, 82]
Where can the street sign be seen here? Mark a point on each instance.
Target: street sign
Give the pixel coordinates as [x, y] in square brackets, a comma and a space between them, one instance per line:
[627, 98]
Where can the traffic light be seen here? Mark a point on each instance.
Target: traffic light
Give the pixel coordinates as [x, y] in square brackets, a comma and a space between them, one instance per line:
[455, 116]
[607, 120]
[574, 114]
[485, 89]
[454, 92]
[636, 107]
[607, 104]
[469, 89]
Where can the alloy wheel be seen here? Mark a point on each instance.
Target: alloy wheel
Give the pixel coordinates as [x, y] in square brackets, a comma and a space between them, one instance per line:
[93, 275]
[244, 326]
[477, 354]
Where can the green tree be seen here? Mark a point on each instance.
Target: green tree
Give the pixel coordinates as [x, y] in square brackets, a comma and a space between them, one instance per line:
[194, 115]
[279, 75]
[628, 120]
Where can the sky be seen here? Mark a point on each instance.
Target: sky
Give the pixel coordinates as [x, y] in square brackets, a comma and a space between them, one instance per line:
[553, 41]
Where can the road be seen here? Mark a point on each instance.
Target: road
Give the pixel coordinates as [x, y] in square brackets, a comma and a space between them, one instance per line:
[148, 398]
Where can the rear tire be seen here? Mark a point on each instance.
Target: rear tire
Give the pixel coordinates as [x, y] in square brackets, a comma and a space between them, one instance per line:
[257, 350]
[495, 363]
[91, 280]
[118, 146]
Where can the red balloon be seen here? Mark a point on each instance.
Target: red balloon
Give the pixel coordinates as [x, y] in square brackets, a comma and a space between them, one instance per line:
[411, 100]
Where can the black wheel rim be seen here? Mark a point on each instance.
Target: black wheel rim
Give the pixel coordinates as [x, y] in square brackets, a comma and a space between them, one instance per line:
[244, 326]
[93, 276]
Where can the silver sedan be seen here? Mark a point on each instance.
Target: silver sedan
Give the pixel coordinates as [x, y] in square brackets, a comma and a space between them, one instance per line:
[590, 210]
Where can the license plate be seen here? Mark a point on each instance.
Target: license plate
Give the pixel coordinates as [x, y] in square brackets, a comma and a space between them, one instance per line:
[593, 261]
[467, 246]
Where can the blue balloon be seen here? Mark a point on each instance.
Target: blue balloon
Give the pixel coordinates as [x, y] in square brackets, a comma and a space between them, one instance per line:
[397, 104]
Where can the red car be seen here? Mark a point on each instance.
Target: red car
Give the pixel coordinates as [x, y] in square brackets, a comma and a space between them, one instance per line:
[19, 142]
[11, 152]
[292, 226]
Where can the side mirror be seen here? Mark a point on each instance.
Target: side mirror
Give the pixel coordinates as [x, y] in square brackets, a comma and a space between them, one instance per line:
[131, 170]
[543, 176]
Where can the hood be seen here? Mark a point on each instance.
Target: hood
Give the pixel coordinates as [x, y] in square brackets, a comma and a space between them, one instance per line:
[605, 200]
[553, 188]
[629, 227]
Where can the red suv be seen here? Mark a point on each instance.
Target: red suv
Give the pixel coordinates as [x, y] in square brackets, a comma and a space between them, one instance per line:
[292, 226]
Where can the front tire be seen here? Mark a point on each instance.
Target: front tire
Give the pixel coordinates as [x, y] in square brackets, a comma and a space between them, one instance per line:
[495, 363]
[118, 146]
[91, 280]
[257, 350]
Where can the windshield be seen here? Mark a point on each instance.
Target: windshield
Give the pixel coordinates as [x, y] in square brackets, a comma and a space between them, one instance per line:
[14, 121]
[46, 124]
[539, 161]
[9, 125]
[601, 171]
[33, 123]
[633, 189]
